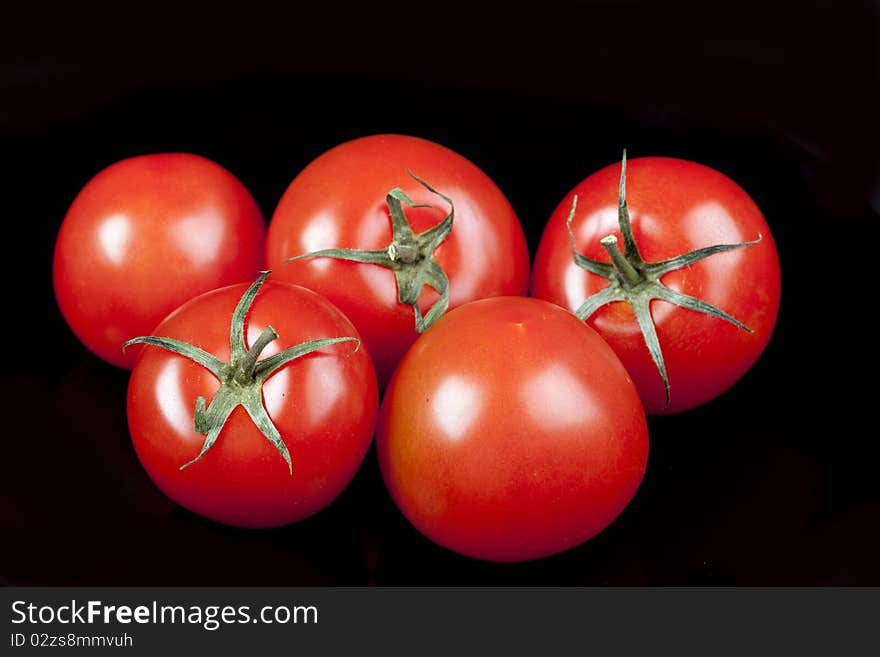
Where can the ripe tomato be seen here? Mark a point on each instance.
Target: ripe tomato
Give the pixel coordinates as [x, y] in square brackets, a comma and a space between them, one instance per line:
[341, 201]
[511, 431]
[316, 413]
[707, 280]
[143, 236]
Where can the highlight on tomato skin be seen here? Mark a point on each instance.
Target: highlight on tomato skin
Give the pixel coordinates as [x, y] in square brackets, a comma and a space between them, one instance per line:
[511, 431]
[706, 282]
[143, 236]
[340, 201]
[274, 438]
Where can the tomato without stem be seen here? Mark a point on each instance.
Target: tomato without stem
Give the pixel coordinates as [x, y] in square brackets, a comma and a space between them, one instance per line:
[277, 441]
[145, 235]
[698, 242]
[511, 431]
[341, 201]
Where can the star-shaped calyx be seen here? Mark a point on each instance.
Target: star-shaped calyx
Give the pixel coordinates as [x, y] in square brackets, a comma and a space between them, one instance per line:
[637, 282]
[410, 256]
[242, 378]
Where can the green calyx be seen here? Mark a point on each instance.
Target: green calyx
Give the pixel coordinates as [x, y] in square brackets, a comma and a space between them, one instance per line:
[637, 282]
[242, 378]
[409, 256]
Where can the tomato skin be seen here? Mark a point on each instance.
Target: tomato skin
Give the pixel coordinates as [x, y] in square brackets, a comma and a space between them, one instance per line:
[323, 404]
[511, 431]
[338, 200]
[675, 206]
[145, 235]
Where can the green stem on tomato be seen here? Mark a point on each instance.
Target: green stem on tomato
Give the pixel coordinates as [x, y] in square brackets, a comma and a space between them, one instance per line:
[242, 378]
[410, 256]
[637, 282]
[627, 272]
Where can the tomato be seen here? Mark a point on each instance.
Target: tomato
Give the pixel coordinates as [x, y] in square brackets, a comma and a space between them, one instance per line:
[702, 303]
[511, 431]
[143, 236]
[276, 441]
[341, 201]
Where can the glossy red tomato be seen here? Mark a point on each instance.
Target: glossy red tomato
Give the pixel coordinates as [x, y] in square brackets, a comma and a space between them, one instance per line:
[511, 431]
[339, 201]
[143, 236]
[322, 404]
[675, 207]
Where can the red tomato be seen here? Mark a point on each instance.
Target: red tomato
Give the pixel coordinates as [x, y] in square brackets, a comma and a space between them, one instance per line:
[511, 431]
[145, 235]
[339, 201]
[675, 207]
[322, 405]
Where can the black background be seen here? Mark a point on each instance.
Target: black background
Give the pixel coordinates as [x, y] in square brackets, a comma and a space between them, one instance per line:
[773, 483]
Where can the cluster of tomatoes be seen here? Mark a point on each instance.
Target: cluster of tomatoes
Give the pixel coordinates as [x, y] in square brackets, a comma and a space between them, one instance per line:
[511, 427]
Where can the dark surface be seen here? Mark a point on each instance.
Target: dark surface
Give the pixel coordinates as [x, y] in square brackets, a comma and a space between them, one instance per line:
[773, 483]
